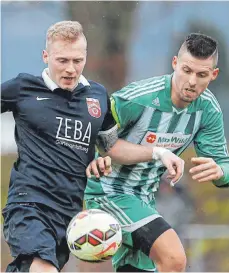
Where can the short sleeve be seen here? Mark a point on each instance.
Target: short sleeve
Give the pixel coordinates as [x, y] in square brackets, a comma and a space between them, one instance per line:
[9, 94]
[124, 111]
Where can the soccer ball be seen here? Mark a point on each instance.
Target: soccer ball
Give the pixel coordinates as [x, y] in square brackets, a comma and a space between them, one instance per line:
[94, 235]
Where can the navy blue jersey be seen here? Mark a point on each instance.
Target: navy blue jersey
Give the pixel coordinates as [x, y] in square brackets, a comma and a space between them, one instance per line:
[55, 133]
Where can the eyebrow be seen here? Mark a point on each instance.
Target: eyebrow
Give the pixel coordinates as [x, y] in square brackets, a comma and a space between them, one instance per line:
[64, 58]
[204, 71]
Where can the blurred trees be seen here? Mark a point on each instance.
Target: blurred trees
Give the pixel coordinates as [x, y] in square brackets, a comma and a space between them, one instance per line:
[107, 26]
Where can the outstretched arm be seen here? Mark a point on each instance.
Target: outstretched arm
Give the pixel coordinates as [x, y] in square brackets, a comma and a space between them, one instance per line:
[127, 153]
[212, 163]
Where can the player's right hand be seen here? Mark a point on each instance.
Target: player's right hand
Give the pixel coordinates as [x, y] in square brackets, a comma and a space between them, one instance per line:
[173, 163]
[99, 167]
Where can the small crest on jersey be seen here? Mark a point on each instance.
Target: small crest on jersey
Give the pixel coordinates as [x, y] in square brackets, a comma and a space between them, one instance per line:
[93, 107]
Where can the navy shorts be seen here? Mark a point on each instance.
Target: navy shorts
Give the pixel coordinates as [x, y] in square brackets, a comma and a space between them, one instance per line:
[35, 230]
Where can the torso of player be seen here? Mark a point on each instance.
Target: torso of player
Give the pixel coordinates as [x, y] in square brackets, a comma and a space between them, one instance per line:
[148, 117]
[159, 122]
[55, 134]
[61, 122]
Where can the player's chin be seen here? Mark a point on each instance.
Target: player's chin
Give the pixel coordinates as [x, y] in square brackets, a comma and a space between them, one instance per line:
[68, 87]
[188, 99]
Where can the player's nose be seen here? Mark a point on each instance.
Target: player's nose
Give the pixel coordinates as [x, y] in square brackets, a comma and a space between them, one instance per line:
[192, 80]
[70, 68]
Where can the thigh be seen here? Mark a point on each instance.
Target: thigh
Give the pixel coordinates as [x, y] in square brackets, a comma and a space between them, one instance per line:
[130, 211]
[148, 235]
[167, 247]
[31, 232]
[141, 226]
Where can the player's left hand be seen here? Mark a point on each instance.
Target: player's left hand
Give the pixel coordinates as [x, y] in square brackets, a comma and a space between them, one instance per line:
[99, 167]
[205, 170]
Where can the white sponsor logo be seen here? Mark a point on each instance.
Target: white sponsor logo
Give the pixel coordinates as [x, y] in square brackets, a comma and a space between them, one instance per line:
[74, 132]
[169, 141]
[38, 98]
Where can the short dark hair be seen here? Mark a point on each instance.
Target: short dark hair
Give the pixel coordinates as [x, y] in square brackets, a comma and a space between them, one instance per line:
[201, 46]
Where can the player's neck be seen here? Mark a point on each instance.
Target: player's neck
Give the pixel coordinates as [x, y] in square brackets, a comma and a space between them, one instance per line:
[67, 89]
[177, 102]
[175, 98]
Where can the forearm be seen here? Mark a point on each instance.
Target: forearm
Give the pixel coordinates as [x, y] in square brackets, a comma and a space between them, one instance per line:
[224, 180]
[127, 153]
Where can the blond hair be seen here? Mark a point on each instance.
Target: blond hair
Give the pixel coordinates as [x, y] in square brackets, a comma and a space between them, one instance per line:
[64, 30]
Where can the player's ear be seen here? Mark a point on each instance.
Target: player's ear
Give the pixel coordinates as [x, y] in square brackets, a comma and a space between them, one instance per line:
[45, 56]
[215, 74]
[174, 62]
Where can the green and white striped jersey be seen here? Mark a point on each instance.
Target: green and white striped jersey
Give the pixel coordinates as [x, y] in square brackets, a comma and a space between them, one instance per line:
[146, 115]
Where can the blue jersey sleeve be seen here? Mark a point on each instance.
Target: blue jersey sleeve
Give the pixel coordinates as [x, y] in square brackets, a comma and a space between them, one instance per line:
[9, 94]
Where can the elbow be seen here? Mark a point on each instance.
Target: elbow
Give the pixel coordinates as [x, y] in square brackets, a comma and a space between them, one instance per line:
[221, 183]
[222, 186]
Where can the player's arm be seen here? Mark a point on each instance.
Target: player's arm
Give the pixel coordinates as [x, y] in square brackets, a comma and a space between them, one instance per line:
[212, 163]
[121, 114]
[127, 153]
[9, 95]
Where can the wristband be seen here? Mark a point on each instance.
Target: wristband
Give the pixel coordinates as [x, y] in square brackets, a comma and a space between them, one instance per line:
[158, 152]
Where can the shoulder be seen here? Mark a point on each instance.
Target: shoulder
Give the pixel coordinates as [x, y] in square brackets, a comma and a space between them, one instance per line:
[208, 102]
[26, 76]
[21, 81]
[208, 105]
[95, 86]
[25, 81]
[141, 91]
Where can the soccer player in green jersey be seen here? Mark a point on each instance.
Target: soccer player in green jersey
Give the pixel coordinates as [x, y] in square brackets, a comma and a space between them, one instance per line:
[166, 113]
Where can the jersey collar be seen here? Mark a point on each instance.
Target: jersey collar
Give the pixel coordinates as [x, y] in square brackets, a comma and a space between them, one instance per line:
[168, 99]
[52, 85]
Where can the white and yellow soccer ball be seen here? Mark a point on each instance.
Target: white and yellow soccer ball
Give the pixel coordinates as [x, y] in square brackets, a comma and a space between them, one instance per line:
[94, 235]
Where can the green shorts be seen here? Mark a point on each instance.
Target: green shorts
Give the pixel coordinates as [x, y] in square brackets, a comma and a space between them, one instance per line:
[133, 214]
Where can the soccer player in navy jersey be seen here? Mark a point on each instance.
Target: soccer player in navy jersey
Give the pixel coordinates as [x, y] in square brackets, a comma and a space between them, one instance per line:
[59, 118]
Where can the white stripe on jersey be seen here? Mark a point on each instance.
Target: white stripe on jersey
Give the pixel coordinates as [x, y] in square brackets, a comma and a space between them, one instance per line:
[164, 122]
[142, 84]
[107, 182]
[183, 122]
[145, 87]
[207, 94]
[225, 149]
[112, 211]
[117, 212]
[140, 128]
[197, 122]
[147, 92]
[141, 223]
